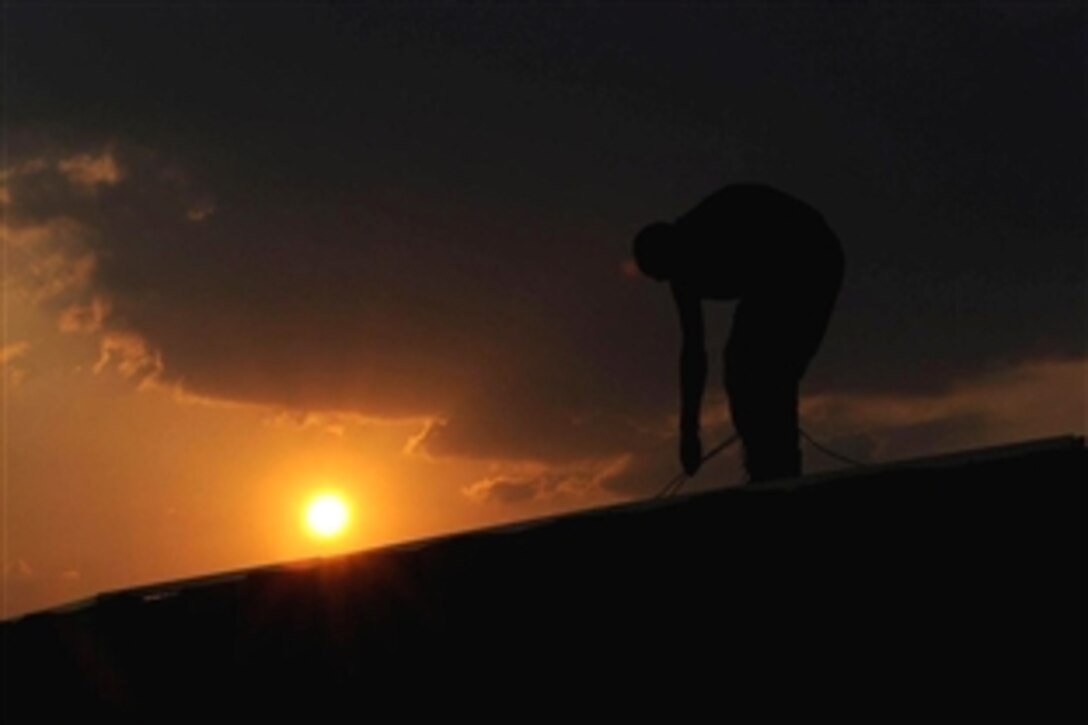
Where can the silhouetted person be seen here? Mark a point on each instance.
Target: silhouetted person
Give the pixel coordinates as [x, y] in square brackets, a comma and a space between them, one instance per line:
[778, 257]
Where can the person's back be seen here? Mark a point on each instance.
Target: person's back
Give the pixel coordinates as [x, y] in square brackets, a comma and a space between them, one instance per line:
[749, 238]
[776, 255]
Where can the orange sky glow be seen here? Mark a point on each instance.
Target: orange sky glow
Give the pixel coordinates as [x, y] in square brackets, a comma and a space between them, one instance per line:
[395, 262]
[148, 484]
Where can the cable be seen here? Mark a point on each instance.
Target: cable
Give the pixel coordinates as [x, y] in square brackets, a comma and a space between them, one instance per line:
[673, 486]
[828, 452]
[677, 482]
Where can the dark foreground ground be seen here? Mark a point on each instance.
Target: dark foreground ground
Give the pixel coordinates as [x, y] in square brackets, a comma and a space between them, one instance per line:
[948, 588]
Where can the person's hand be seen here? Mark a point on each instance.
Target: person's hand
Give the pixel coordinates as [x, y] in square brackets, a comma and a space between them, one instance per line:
[691, 452]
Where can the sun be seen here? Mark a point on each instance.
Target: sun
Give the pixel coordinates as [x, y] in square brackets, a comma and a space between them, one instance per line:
[327, 515]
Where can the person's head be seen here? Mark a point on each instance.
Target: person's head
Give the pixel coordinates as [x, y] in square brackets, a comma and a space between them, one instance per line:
[654, 251]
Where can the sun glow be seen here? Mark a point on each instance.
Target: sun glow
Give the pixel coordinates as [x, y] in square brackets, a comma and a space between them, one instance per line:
[327, 515]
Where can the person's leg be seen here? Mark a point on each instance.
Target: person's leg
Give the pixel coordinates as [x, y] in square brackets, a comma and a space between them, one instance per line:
[775, 336]
[762, 389]
[765, 415]
[775, 450]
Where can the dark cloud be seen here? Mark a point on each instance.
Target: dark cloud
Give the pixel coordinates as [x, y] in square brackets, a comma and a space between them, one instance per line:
[422, 211]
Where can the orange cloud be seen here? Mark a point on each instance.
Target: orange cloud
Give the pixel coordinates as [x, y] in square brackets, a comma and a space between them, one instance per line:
[13, 350]
[48, 260]
[26, 168]
[28, 237]
[200, 211]
[55, 274]
[20, 569]
[87, 171]
[1032, 400]
[416, 445]
[332, 423]
[84, 319]
[131, 355]
[534, 482]
[8, 354]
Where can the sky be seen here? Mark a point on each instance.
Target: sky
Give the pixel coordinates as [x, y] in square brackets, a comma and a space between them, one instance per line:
[253, 252]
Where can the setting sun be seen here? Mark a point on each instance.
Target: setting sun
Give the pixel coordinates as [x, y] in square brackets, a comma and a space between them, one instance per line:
[327, 515]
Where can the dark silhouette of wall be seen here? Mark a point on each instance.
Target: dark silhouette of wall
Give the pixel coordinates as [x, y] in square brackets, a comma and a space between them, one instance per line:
[954, 588]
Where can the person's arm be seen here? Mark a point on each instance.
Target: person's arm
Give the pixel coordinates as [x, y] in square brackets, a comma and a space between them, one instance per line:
[692, 377]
